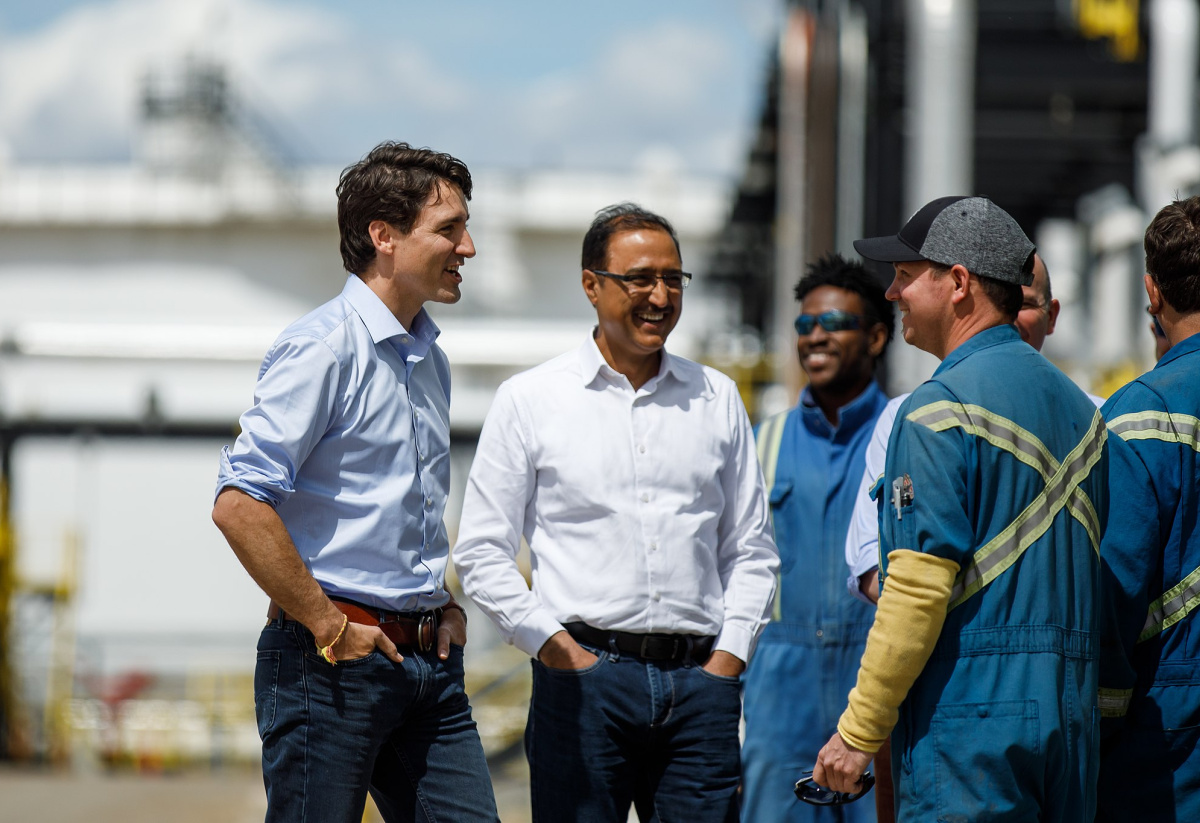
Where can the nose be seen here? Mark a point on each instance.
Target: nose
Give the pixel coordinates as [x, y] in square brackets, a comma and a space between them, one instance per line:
[466, 246]
[660, 295]
[893, 291]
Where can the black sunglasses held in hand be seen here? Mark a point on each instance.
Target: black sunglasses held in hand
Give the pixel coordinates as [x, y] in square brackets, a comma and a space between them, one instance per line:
[811, 793]
[833, 320]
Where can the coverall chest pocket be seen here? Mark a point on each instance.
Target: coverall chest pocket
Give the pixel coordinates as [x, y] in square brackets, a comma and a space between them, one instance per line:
[780, 492]
[895, 501]
[988, 755]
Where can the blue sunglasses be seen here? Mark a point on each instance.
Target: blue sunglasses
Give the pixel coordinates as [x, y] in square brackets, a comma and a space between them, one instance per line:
[834, 320]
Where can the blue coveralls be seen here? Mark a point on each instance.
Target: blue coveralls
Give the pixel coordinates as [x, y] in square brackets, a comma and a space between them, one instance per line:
[1008, 468]
[1150, 679]
[807, 658]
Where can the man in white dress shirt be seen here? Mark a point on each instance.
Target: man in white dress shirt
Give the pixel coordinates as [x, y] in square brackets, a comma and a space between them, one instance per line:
[633, 477]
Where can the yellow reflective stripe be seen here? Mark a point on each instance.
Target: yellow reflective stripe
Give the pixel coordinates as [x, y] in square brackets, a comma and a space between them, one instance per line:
[1003, 550]
[1114, 702]
[1175, 604]
[1017, 441]
[999, 431]
[1155, 425]
[1082, 510]
[1062, 485]
[770, 438]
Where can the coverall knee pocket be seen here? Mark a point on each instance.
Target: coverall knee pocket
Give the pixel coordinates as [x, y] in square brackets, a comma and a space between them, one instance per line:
[988, 759]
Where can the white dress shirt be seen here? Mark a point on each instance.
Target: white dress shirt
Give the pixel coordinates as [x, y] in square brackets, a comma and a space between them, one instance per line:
[644, 509]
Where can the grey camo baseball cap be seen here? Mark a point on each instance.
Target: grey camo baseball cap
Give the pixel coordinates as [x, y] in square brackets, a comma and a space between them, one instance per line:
[970, 231]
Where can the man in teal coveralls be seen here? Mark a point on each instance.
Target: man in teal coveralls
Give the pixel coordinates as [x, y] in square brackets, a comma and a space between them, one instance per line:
[1150, 680]
[983, 659]
[812, 457]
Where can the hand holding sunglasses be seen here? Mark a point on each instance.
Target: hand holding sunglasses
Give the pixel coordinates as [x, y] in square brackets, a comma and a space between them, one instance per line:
[815, 795]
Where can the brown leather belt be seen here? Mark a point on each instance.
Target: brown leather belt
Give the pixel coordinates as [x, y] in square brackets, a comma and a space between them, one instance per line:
[415, 629]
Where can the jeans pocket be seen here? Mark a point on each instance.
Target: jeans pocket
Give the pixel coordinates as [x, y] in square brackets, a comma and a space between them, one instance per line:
[988, 760]
[601, 656]
[266, 689]
[734, 680]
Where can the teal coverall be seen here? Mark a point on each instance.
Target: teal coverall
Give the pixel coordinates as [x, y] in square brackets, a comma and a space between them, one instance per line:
[998, 463]
[1150, 678]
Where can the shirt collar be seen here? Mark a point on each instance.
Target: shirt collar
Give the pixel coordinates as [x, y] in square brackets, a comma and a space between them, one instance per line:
[1185, 346]
[592, 362]
[994, 336]
[857, 412]
[380, 322]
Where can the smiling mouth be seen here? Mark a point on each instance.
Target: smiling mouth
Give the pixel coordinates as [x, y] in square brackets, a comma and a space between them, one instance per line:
[650, 316]
[453, 271]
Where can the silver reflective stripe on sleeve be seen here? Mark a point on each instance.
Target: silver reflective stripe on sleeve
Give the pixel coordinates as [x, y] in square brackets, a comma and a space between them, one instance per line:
[1178, 601]
[1114, 702]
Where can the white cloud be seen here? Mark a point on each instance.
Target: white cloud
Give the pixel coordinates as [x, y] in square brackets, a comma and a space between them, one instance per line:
[650, 87]
[333, 82]
[70, 91]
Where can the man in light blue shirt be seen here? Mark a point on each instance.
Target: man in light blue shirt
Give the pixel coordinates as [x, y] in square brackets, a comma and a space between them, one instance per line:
[332, 498]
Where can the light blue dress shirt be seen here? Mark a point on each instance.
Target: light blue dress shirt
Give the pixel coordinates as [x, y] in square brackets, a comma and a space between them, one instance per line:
[349, 440]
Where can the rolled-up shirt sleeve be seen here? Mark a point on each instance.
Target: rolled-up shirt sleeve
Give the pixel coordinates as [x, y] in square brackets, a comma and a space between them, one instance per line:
[294, 403]
[747, 558]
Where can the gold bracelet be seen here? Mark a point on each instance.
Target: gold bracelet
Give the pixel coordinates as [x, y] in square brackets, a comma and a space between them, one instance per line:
[327, 652]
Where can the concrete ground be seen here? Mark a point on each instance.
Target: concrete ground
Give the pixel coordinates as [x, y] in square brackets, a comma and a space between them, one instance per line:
[230, 796]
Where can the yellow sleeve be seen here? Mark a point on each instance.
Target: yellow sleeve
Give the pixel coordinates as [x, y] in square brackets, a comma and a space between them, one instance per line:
[908, 622]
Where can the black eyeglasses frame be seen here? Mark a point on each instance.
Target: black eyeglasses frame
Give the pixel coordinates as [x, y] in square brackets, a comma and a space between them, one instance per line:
[627, 280]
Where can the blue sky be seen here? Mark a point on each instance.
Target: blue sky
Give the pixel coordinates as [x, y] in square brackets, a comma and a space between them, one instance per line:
[501, 84]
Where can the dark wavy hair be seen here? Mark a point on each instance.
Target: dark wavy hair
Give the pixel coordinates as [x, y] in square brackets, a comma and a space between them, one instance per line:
[617, 218]
[835, 270]
[391, 184]
[1173, 253]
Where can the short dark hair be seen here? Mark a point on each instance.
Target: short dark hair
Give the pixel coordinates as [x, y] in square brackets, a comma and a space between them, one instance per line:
[835, 270]
[1005, 296]
[391, 184]
[1173, 253]
[618, 218]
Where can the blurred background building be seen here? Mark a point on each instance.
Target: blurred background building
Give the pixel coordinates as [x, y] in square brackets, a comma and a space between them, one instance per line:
[137, 299]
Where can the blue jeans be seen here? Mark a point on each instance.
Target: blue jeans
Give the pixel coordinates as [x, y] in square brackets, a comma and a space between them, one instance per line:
[331, 733]
[662, 736]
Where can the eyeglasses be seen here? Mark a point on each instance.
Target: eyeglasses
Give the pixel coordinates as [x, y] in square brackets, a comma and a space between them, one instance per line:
[815, 795]
[640, 282]
[834, 320]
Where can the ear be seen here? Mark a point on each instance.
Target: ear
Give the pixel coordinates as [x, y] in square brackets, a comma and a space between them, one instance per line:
[876, 339]
[591, 286]
[384, 236]
[1152, 292]
[961, 278]
[1052, 314]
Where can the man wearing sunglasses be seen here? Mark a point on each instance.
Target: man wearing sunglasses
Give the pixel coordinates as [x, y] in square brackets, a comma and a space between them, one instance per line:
[982, 661]
[1150, 681]
[812, 457]
[631, 474]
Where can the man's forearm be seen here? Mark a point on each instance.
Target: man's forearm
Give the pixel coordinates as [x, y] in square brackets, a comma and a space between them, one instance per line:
[265, 549]
[907, 625]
